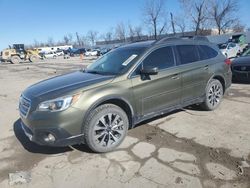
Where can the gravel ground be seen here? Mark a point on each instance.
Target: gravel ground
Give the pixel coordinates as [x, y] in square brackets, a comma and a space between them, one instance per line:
[187, 148]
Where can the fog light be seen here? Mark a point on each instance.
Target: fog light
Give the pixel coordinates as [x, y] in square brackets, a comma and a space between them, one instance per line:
[49, 138]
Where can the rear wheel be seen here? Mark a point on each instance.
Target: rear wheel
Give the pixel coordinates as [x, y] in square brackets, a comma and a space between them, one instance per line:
[214, 95]
[105, 128]
[15, 59]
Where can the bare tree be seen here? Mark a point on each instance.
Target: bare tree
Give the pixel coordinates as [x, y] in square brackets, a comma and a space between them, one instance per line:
[36, 44]
[120, 31]
[180, 23]
[50, 41]
[222, 14]
[79, 40]
[238, 27]
[108, 36]
[67, 39]
[197, 10]
[131, 32]
[138, 32]
[92, 36]
[155, 16]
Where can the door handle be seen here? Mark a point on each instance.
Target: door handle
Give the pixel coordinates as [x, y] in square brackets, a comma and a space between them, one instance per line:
[175, 77]
[206, 67]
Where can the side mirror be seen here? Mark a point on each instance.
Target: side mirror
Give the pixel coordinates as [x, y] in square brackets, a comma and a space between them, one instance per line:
[149, 71]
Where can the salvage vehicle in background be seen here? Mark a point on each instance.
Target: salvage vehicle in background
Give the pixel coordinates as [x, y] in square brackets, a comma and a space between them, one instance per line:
[49, 55]
[124, 87]
[241, 67]
[239, 39]
[230, 49]
[17, 53]
[59, 53]
[94, 52]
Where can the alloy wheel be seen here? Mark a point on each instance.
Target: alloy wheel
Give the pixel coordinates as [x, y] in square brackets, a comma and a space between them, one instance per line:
[108, 130]
[214, 95]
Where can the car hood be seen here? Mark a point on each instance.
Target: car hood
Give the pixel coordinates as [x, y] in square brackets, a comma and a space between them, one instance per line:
[245, 60]
[64, 84]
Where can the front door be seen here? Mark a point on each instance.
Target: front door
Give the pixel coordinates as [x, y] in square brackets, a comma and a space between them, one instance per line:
[157, 92]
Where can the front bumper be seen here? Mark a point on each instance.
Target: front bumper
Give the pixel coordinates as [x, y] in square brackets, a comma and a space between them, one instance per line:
[62, 137]
[65, 127]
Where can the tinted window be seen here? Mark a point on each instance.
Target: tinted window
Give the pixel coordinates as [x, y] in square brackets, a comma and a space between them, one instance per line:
[206, 52]
[161, 58]
[187, 53]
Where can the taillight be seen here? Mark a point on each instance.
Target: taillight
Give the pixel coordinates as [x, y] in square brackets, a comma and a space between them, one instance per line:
[228, 61]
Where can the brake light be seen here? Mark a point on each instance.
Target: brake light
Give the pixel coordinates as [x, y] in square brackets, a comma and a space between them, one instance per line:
[228, 61]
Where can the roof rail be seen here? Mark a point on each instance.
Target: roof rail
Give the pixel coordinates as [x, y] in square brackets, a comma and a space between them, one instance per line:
[165, 39]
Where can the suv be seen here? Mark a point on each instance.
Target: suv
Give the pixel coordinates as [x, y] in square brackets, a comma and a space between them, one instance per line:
[130, 84]
[230, 49]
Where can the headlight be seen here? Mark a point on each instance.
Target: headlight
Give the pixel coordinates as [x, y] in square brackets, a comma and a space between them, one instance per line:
[58, 104]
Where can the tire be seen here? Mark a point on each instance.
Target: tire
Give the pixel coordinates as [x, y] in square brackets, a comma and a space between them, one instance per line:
[15, 59]
[105, 128]
[214, 95]
[33, 58]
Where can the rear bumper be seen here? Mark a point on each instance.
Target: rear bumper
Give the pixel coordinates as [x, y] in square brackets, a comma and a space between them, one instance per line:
[62, 137]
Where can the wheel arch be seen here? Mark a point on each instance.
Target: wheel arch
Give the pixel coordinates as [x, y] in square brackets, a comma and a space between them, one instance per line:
[118, 101]
[221, 79]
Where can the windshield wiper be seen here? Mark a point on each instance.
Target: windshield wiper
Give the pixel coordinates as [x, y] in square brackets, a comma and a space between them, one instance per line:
[93, 72]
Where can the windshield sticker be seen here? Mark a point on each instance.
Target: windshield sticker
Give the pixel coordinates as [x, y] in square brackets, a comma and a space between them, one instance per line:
[125, 63]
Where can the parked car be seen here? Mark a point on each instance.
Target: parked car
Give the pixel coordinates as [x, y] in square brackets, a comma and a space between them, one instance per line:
[230, 49]
[59, 53]
[49, 55]
[94, 52]
[104, 51]
[73, 52]
[241, 68]
[129, 85]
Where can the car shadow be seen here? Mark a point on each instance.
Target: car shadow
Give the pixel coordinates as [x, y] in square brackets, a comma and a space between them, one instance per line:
[33, 147]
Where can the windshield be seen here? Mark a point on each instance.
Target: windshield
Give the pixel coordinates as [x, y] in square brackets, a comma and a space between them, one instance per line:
[246, 53]
[116, 62]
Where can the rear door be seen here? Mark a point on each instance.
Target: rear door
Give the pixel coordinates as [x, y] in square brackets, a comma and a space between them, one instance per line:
[194, 72]
[160, 91]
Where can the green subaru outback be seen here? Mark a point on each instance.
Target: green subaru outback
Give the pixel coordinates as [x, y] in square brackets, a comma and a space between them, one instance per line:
[126, 86]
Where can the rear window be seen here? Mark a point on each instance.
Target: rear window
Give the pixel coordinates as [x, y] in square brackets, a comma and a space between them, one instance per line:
[206, 52]
[187, 53]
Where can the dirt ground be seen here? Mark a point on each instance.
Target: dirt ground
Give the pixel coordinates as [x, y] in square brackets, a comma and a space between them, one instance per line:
[187, 148]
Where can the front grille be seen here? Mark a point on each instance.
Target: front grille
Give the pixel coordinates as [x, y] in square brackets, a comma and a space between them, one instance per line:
[242, 68]
[24, 106]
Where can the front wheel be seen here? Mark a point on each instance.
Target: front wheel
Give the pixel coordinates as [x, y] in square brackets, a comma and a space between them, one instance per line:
[214, 95]
[105, 128]
[15, 59]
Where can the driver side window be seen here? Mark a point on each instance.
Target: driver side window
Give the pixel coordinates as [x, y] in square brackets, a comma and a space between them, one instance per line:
[161, 58]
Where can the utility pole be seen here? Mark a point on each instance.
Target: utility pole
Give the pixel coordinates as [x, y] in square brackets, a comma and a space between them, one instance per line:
[78, 39]
[172, 22]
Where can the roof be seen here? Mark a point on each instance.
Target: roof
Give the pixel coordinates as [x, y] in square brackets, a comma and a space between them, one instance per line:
[143, 44]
